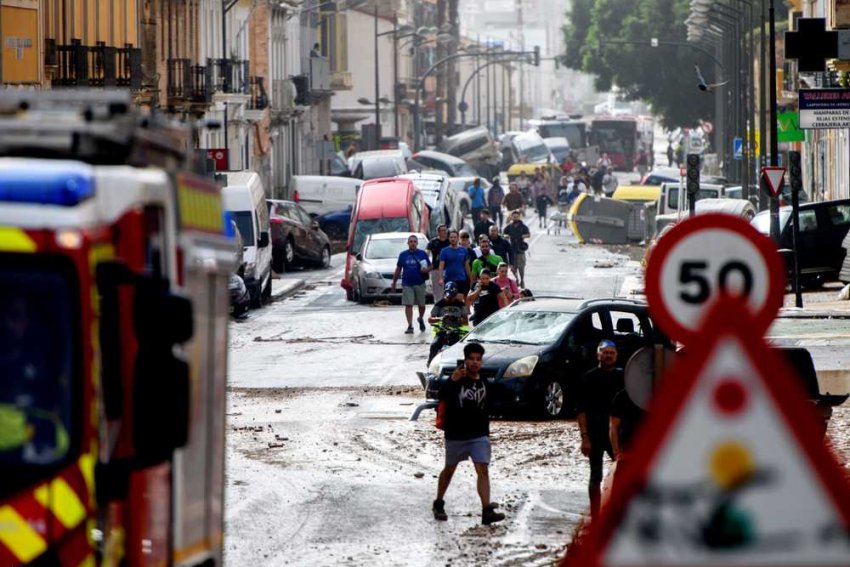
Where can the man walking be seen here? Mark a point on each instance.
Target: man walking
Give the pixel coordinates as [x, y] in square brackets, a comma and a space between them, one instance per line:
[514, 200]
[413, 266]
[494, 199]
[596, 391]
[517, 232]
[435, 245]
[467, 430]
[499, 245]
[483, 224]
[476, 196]
[454, 266]
[487, 259]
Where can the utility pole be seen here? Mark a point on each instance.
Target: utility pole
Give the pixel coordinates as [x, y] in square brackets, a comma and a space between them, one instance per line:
[377, 87]
[521, 82]
[774, 142]
[763, 108]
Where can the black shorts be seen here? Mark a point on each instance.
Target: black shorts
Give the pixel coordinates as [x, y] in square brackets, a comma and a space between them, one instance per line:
[598, 448]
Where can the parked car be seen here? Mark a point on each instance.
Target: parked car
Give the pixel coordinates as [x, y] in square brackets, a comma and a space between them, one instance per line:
[477, 147]
[528, 147]
[447, 163]
[661, 175]
[245, 198]
[536, 350]
[823, 226]
[296, 238]
[377, 164]
[383, 205]
[336, 224]
[442, 200]
[320, 194]
[559, 147]
[374, 266]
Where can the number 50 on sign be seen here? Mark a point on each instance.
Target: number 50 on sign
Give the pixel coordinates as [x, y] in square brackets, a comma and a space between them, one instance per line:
[704, 258]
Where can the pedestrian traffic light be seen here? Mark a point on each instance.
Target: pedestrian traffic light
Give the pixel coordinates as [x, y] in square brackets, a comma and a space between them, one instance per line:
[693, 174]
[795, 171]
[537, 56]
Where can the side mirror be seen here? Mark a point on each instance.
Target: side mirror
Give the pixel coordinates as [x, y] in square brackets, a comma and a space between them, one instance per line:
[161, 383]
[358, 257]
[264, 239]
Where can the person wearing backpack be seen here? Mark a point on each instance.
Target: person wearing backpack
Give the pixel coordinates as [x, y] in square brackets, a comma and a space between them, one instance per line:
[466, 424]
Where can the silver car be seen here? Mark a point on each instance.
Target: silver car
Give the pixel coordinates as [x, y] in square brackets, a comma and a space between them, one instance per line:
[373, 269]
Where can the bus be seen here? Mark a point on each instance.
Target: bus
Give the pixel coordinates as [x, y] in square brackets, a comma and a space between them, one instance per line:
[619, 137]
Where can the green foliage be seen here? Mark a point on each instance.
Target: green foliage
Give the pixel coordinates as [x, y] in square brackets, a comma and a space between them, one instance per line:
[663, 76]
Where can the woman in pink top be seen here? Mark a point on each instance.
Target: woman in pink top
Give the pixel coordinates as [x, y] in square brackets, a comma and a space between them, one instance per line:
[506, 283]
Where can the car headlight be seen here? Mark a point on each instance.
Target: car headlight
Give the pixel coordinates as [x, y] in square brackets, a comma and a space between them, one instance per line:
[373, 275]
[522, 367]
[434, 367]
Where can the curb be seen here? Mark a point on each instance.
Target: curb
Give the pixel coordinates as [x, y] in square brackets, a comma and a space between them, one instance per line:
[288, 290]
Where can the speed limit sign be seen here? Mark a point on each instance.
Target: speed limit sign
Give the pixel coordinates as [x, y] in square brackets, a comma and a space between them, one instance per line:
[704, 258]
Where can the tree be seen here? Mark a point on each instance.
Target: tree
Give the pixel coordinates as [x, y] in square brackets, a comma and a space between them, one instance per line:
[611, 40]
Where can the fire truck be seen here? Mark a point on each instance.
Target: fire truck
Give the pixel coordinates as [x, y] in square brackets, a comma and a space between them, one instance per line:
[114, 263]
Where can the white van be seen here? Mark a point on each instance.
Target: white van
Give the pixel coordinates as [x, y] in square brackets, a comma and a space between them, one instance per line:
[245, 198]
[320, 194]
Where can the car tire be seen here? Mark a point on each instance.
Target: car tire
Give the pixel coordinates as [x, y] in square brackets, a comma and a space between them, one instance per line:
[356, 295]
[553, 402]
[334, 231]
[288, 253]
[325, 261]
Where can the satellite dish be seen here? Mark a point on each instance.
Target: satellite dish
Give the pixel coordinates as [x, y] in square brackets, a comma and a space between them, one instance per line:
[641, 374]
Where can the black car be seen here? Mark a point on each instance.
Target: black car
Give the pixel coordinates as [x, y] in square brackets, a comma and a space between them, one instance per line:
[536, 349]
[296, 238]
[823, 226]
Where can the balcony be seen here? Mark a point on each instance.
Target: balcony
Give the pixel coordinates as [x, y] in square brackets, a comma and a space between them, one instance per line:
[228, 79]
[341, 81]
[258, 101]
[78, 65]
[320, 76]
[186, 83]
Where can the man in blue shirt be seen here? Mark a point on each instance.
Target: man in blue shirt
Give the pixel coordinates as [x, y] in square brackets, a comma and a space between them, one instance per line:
[413, 266]
[476, 195]
[454, 264]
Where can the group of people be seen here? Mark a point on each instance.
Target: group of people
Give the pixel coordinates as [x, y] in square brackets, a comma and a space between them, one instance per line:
[476, 275]
[607, 419]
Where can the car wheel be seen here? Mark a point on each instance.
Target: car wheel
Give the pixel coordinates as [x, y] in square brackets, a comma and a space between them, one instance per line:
[358, 297]
[334, 231]
[288, 253]
[554, 400]
[325, 262]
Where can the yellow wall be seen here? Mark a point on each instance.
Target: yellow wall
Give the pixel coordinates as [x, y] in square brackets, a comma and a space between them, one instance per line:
[21, 59]
[114, 22]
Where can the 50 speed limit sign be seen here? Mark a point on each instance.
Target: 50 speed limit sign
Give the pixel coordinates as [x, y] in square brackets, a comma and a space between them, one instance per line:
[704, 258]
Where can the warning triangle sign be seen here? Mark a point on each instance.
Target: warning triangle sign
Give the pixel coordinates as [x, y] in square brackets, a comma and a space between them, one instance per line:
[728, 469]
[773, 178]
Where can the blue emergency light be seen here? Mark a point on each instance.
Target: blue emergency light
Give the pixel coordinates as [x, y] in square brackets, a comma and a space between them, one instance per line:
[65, 184]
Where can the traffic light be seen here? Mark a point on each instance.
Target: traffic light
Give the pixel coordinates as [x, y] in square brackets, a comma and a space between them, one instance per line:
[536, 56]
[795, 171]
[693, 174]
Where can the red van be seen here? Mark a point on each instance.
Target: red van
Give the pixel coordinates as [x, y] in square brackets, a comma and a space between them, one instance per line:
[384, 205]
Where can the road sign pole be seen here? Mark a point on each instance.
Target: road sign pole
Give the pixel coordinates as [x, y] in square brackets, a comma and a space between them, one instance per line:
[774, 142]
[795, 219]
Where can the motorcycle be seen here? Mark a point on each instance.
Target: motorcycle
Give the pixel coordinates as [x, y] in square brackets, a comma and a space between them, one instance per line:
[240, 299]
[445, 335]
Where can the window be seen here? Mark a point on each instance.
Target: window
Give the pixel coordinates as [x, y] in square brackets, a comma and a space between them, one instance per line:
[839, 214]
[808, 221]
[39, 358]
[333, 31]
[245, 223]
[627, 325]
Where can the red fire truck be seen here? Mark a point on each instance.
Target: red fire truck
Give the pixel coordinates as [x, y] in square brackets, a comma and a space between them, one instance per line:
[114, 261]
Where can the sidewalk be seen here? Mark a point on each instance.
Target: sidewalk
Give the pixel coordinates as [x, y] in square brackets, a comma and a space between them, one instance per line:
[288, 283]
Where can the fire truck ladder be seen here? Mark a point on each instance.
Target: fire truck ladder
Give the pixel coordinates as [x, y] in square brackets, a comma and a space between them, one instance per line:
[101, 127]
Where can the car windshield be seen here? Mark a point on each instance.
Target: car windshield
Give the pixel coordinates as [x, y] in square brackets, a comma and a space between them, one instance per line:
[430, 189]
[673, 196]
[37, 363]
[385, 248]
[522, 327]
[761, 222]
[364, 228]
[245, 222]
